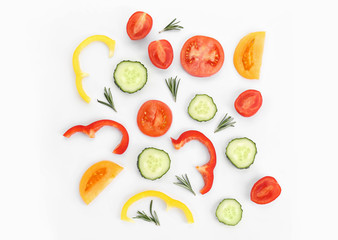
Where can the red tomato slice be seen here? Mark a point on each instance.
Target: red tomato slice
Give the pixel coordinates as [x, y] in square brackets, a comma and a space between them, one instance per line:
[139, 25]
[248, 102]
[161, 53]
[202, 56]
[154, 118]
[265, 190]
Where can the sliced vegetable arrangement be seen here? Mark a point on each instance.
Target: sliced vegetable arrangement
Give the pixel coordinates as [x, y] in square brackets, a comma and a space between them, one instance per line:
[200, 56]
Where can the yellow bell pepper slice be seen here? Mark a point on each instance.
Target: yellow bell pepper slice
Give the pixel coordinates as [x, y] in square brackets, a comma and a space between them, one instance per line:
[79, 75]
[169, 201]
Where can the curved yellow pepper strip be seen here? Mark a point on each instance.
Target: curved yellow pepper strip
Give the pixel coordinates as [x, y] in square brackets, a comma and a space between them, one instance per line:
[79, 75]
[169, 201]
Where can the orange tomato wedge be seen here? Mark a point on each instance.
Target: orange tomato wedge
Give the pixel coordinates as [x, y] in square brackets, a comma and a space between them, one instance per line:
[248, 55]
[97, 178]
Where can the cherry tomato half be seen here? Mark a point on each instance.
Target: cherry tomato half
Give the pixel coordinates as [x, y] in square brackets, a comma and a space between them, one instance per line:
[161, 53]
[139, 25]
[154, 118]
[248, 102]
[202, 56]
[265, 190]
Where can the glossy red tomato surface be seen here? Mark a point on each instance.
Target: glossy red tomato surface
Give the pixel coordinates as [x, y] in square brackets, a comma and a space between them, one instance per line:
[202, 56]
[139, 25]
[161, 53]
[154, 118]
[248, 102]
[265, 190]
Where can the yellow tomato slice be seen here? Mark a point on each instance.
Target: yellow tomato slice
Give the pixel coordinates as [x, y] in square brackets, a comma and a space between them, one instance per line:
[97, 178]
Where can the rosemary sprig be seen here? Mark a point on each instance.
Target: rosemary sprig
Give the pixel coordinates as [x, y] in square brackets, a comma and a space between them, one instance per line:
[173, 84]
[226, 122]
[109, 97]
[172, 26]
[152, 218]
[185, 183]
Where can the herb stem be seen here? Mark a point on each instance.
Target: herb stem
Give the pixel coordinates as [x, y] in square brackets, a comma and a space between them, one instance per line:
[152, 218]
[173, 85]
[109, 98]
[172, 26]
[185, 183]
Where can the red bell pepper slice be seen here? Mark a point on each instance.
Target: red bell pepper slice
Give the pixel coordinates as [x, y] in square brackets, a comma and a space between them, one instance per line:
[207, 170]
[92, 128]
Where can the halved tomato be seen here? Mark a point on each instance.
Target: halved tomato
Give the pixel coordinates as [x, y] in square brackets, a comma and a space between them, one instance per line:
[248, 55]
[202, 56]
[265, 190]
[248, 102]
[161, 53]
[139, 25]
[96, 178]
[154, 118]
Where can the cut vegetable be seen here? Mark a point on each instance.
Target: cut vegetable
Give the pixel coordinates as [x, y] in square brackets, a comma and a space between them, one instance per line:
[248, 55]
[92, 128]
[265, 190]
[202, 56]
[207, 170]
[130, 76]
[161, 53]
[169, 201]
[241, 152]
[153, 163]
[96, 178]
[139, 25]
[202, 108]
[154, 118]
[229, 212]
[248, 102]
[79, 75]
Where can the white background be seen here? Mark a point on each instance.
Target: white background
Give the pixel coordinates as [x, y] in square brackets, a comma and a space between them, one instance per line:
[294, 130]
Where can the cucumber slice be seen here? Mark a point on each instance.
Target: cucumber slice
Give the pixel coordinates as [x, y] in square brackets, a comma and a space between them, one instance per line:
[241, 152]
[202, 108]
[130, 76]
[153, 163]
[229, 211]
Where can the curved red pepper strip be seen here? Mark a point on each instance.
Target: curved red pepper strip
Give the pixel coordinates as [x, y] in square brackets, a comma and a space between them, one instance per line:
[207, 170]
[92, 128]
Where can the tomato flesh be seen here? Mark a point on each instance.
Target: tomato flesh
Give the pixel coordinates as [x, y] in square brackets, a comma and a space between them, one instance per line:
[154, 118]
[161, 53]
[248, 102]
[202, 56]
[139, 25]
[265, 190]
[97, 178]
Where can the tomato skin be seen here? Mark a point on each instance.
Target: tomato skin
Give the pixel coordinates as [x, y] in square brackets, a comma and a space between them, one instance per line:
[154, 118]
[265, 190]
[161, 53]
[139, 25]
[202, 56]
[248, 103]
